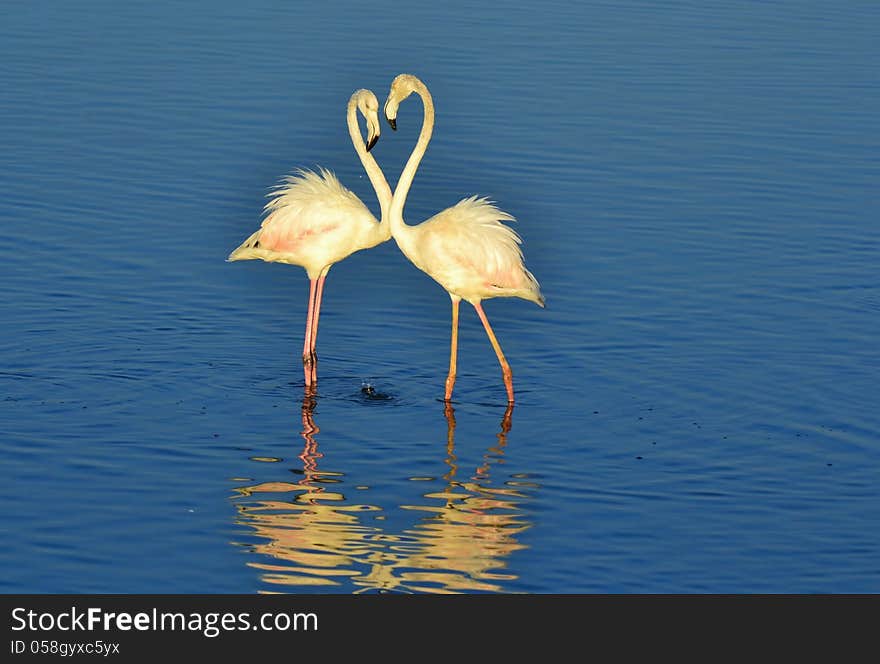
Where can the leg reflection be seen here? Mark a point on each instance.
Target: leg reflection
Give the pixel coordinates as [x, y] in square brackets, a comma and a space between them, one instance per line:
[497, 451]
[310, 454]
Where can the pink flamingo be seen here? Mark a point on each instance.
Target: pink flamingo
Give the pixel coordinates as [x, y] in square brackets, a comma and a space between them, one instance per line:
[464, 248]
[314, 221]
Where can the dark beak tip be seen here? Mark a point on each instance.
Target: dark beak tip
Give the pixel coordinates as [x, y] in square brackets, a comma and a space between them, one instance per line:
[393, 124]
[372, 143]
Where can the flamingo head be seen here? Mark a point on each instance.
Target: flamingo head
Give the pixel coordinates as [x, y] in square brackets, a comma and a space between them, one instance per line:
[368, 105]
[401, 88]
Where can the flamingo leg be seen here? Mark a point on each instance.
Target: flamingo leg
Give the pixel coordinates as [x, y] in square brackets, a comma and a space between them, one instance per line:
[453, 351]
[505, 367]
[319, 293]
[307, 343]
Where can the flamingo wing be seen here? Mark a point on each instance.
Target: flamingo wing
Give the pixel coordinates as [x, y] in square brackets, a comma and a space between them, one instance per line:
[311, 220]
[470, 252]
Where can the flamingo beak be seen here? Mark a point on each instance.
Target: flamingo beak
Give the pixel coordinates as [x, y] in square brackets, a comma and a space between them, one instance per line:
[390, 110]
[372, 142]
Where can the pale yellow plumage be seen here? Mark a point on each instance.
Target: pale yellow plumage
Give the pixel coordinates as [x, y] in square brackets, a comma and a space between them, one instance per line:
[469, 251]
[313, 221]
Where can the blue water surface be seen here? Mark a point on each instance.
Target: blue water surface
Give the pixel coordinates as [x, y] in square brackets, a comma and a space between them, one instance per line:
[696, 186]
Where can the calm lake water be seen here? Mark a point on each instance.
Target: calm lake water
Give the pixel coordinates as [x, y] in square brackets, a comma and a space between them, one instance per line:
[696, 185]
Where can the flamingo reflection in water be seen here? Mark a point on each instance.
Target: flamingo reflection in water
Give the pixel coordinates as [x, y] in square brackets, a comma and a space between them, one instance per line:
[315, 537]
[462, 543]
[306, 525]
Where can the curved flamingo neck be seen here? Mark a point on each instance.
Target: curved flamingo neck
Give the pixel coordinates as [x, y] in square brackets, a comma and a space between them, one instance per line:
[377, 177]
[412, 164]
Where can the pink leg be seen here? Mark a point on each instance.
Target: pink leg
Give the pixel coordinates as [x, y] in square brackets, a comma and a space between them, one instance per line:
[505, 367]
[307, 343]
[319, 294]
[453, 351]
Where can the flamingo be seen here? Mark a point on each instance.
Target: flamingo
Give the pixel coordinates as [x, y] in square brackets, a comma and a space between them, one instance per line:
[465, 248]
[313, 221]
